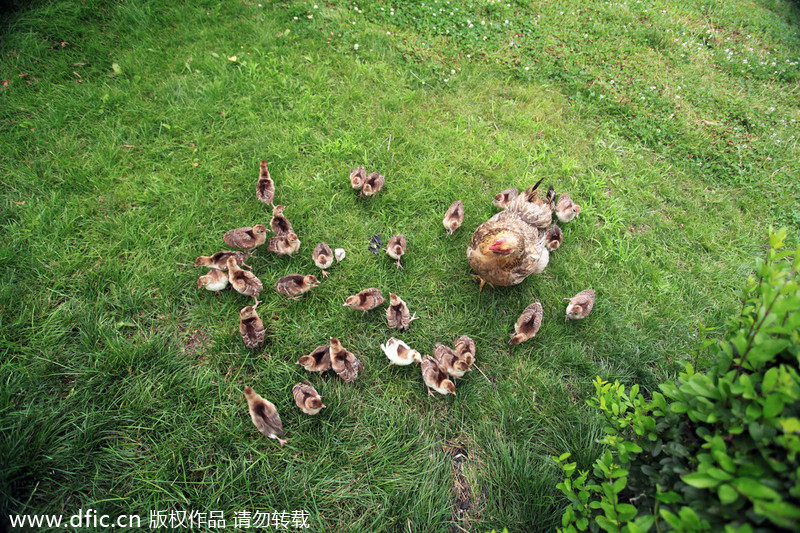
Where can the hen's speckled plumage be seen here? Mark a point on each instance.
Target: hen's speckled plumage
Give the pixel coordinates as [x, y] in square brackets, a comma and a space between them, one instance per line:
[507, 248]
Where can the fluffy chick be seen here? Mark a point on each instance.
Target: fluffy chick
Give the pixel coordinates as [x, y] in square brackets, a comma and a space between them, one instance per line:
[246, 238]
[344, 363]
[399, 353]
[565, 209]
[280, 224]
[373, 184]
[528, 323]
[448, 360]
[220, 260]
[294, 285]
[264, 415]
[502, 199]
[435, 377]
[465, 349]
[454, 217]
[323, 257]
[397, 314]
[365, 300]
[553, 238]
[251, 327]
[287, 244]
[580, 305]
[242, 281]
[396, 248]
[307, 398]
[317, 361]
[265, 188]
[358, 177]
[215, 280]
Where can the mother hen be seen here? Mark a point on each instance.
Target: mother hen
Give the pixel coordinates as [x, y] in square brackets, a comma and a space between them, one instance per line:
[506, 249]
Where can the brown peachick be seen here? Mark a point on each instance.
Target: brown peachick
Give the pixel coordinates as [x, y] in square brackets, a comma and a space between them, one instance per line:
[264, 415]
[265, 188]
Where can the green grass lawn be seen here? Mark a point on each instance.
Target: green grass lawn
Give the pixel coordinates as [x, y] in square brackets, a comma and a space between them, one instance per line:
[131, 135]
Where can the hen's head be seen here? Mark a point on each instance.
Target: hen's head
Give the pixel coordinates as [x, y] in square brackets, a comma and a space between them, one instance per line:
[502, 244]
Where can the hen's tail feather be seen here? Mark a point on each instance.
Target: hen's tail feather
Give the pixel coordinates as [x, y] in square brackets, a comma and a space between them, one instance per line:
[531, 209]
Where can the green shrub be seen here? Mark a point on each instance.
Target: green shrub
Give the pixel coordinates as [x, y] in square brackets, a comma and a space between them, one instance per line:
[713, 451]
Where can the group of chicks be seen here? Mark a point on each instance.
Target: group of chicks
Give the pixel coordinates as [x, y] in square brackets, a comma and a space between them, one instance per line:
[369, 185]
[529, 322]
[439, 371]
[228, 267]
